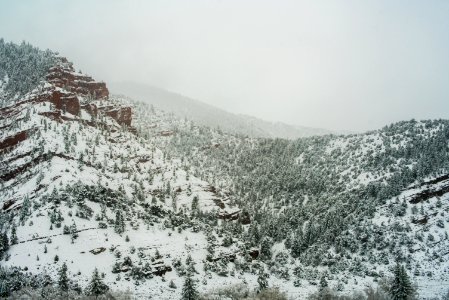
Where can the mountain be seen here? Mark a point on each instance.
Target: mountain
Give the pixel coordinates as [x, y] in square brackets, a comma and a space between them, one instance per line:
[342, 208]
[78, 186]
[209, 115]
[162, 205]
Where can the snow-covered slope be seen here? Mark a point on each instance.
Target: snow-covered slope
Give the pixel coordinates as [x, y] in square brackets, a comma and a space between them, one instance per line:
[77, 183]
[99, 181]
[336, 207]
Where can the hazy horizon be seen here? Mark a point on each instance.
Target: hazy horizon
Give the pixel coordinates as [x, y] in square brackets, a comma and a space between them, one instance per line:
[339, 65]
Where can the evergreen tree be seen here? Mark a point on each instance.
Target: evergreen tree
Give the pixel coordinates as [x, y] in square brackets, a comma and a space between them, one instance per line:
[190, 264]
[262, 280]
[401, 287]
[195, 203]
[4, 244]
[66, 229]
[119, 224]
[14, 235]
[189, 291]
[73, 231]
[323, 283]
[172, 285]
[265, 249]
[63, 281]
[96, 286]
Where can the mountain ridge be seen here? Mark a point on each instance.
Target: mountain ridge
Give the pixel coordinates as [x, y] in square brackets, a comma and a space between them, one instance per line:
[210, 115]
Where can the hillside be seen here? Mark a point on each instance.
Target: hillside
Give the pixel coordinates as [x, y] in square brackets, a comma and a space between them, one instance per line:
[77, 181]
[342, 207]
[152, 200]
[208, 115]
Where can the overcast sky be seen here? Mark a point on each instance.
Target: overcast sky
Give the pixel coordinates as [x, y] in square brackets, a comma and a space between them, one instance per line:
[346, 65]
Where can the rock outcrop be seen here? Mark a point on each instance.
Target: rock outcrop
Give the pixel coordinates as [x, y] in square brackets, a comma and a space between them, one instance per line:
[121, 114]
[13, 140]
[63, 75]
[67, 88]
[69, 92]
[76, 84]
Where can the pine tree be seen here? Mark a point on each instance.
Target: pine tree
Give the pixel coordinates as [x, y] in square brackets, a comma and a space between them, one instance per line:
[190, 264]
[66, 229]
[4, 244]
[262, 281]
[14, 235]
[73, 231]
[63, 281]
[189, 291]
[401, 287]
[119, 224]
[157, 255]
[96, 286]
[172, 285]
[195, 203]
[265, 249]
[323, 283]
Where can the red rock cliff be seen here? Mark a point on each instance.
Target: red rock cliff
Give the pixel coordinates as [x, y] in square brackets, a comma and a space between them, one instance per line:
[66, 89]
[64, 76]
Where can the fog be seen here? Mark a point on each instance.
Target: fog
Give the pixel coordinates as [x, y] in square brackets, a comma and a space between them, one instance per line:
[341, 65]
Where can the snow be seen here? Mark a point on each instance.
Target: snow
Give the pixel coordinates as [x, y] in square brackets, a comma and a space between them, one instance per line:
[423, 252]
[119, 160]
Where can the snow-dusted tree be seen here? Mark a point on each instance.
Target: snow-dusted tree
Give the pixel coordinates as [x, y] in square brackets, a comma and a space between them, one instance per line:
[96, 286]
[265, 249]
[4, 244]
[14, 239]
[73, 231]
[262, 280]
[323, 283]
[172, 285]
[63, 281]
[189, 291]
[195, 203]
[66, 229]
[190, 264]
[119, 224]
[401, 288]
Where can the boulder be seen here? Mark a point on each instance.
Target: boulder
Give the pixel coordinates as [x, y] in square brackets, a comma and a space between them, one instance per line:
[97, 251]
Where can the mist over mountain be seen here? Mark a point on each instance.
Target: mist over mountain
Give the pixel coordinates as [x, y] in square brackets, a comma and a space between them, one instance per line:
[209, 115]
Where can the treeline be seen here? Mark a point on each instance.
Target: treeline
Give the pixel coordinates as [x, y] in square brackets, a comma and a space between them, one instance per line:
[24, 66]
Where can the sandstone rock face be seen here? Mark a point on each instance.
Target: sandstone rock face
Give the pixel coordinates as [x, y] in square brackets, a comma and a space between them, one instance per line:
[13, 140]
[121, 114]
[65, 88]
[64, 76]
[65, 102]
[75, 84]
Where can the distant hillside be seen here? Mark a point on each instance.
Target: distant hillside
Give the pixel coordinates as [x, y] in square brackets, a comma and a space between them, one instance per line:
[209, 115]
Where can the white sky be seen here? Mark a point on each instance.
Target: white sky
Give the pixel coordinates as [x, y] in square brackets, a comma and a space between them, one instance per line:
[345, 65]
